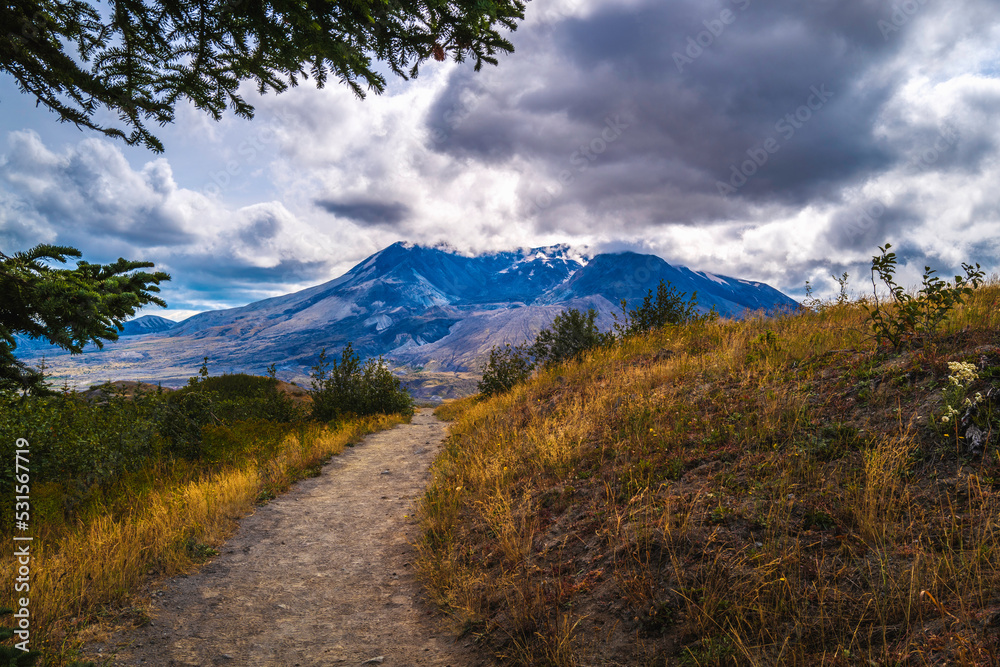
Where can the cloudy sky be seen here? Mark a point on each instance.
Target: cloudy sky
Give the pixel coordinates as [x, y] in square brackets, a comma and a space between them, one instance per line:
[774, 140]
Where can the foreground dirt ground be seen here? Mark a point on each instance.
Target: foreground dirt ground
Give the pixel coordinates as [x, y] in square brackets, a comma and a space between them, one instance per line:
[323, 575]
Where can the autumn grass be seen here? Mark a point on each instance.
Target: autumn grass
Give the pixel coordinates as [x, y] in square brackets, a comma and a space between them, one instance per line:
[163, 522]
[774, 491]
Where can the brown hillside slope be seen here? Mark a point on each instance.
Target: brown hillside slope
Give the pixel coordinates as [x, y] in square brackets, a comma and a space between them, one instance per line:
[773, 491]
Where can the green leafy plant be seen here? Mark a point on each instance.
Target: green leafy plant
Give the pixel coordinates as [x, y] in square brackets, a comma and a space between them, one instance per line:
[842, 296]
[811, 302]
[906, 317]
[570, 334]
[349, 387]
[507, 366]
[668, 306]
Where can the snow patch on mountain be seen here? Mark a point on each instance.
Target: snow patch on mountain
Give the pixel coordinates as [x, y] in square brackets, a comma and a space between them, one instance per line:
[714, 278]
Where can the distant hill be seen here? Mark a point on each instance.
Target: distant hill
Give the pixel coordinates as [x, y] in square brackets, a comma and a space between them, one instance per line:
[147, 324]
[422, 308]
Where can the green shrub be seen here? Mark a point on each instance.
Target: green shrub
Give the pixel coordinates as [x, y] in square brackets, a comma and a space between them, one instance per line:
[223, 399]
[667, 307]
[570, 334]
[507, 366]
[86, 445]
[381, 391]
[907, 316]
[239, 396]
[185, 415]
[80, 443]
[348, 387]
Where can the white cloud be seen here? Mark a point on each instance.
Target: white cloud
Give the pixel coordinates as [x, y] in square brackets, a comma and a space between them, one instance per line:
[320, 179]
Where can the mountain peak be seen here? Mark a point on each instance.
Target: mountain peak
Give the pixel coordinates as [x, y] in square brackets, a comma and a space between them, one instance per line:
[432, 307]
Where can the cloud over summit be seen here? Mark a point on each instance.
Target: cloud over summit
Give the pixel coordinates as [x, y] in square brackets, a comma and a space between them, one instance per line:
[775, 140]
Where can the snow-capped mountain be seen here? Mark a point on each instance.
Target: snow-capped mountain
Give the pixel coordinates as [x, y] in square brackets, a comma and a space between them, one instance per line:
[420, 307]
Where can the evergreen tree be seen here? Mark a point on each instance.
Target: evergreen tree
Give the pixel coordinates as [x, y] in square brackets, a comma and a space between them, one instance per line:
[139, 59]
[667, 307]
[569, 335]
[67, 307]
[506, 367]
[348, 387]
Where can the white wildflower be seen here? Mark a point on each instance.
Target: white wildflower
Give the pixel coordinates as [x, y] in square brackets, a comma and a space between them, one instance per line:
[962, 374]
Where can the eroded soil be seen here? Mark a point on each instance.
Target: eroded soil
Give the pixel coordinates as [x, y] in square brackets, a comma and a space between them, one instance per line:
[323, 575]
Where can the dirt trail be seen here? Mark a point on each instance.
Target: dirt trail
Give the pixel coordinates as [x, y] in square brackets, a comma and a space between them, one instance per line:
[323, 575]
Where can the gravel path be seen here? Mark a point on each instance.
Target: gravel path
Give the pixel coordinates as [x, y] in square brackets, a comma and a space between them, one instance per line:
[323, 575]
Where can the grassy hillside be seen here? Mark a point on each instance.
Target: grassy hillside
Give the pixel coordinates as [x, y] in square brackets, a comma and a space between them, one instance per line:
[771, 491]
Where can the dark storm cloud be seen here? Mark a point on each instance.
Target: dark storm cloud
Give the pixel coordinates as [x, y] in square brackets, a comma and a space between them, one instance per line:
[985, 252]
[867, 225]
[207, 276]
[366, 212]
[779, 100]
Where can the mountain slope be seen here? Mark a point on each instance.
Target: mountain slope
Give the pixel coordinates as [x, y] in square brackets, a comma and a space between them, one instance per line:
[418, 306]
[630, 276]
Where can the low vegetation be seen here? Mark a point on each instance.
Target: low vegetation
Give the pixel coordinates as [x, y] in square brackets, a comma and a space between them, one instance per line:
[787, 490]
[573, 332]
[908, 316]
[350, 388]
[130, 483]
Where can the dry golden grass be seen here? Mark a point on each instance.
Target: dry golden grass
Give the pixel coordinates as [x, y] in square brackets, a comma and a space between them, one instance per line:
[775, 491]
[94, 569]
